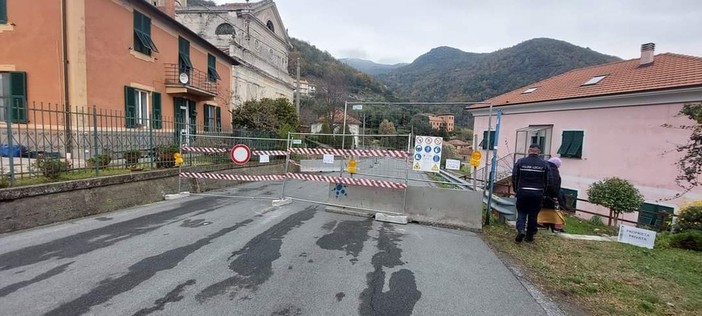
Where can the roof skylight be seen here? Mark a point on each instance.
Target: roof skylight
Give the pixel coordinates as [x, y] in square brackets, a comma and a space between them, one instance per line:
[594, 80]
[530, 90]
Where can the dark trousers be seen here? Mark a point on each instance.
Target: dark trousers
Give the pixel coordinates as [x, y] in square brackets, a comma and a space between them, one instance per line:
[528, 207]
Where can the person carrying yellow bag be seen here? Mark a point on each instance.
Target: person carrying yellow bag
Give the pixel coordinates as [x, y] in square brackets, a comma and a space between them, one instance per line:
[550, 215]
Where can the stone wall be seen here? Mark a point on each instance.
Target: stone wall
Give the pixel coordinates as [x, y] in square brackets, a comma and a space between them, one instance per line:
[37, 205]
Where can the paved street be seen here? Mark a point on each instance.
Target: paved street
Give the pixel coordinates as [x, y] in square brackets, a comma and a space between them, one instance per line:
[217, 255]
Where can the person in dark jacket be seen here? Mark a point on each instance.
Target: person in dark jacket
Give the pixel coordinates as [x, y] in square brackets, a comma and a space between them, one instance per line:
[550, 215]
[530, 180]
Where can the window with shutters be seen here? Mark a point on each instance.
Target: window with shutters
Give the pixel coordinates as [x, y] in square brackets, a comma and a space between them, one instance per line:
[142, 34]
[493, 141]
[13, 97]
[184, 63]
[210, 116]
[572, 144]
[142, 108]
[3, 11]
[212, 74]
[652, 214]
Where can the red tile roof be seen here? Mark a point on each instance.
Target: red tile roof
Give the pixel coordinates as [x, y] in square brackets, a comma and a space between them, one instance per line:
[668, 71]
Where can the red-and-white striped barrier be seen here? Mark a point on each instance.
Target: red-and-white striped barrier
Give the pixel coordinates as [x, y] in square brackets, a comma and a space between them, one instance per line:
[233, 177]
[350, 152]
[212, 150]
[269, 152]
[349, 181]
[208, 150]
[298, 176]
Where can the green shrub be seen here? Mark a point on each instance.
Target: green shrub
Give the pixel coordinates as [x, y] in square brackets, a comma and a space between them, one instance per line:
[101, 161]
[596, 221]
[132, 156]
[690, 239]
[164, 156]
[4, 181]
[52, 167]
[690, 218]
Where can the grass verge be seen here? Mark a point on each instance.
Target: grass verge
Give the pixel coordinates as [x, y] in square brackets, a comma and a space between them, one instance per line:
[608, 278]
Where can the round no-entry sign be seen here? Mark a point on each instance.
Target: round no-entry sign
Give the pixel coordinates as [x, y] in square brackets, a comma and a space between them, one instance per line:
[240, 154]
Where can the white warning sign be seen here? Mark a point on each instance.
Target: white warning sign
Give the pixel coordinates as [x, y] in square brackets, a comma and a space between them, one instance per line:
[427, 153]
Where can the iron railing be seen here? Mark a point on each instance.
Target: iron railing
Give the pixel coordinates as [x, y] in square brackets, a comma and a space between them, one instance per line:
[197, 79]
[77, 142]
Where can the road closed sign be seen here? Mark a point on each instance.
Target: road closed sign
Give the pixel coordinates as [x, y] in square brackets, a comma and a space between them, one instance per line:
[240, 154]
[427, 153]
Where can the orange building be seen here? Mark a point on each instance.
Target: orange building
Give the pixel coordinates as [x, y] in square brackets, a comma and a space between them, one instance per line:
[442, 120]
[122, 56]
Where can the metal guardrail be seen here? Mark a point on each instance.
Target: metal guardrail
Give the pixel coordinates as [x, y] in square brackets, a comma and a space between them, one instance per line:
[456, 181]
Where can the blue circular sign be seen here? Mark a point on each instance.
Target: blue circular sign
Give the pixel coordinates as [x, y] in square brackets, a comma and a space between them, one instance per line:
[419, 148]
[437, 149]
[417, 157]
[437, 158]
[427, 149]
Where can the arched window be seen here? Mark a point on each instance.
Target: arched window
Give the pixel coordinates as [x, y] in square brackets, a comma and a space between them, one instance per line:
[225, 29]
[270, 26]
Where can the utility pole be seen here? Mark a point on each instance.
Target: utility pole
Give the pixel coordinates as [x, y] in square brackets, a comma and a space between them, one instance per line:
[297, 91]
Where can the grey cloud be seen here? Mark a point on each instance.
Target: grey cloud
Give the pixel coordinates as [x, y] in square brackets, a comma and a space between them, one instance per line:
[401, 30]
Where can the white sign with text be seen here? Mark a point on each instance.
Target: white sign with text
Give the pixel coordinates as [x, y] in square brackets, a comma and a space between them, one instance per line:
[637, 236]
[264, 159]
[328, 159]
[453, 164]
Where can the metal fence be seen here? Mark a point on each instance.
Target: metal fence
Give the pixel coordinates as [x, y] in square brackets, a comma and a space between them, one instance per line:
[53, 141]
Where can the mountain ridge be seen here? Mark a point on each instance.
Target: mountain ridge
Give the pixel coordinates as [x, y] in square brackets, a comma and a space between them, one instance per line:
[370, 67]
[450, 74]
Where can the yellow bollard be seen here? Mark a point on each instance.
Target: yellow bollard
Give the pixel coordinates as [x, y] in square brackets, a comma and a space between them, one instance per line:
[178, 159]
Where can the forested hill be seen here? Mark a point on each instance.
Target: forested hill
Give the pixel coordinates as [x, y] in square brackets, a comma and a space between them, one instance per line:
[334, 77]
[446, 73]
[370, 67]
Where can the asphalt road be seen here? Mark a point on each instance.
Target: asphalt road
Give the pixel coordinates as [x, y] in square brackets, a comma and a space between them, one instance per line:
[218, 255]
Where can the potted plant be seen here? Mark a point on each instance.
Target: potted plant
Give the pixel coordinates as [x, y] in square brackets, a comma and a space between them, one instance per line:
[131, 158]
[164, 156]
[101, 161]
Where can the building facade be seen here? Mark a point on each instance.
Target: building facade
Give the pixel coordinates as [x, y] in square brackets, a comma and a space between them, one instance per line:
[253, 34]
[615, 120]
[441, 121]
[140, 62]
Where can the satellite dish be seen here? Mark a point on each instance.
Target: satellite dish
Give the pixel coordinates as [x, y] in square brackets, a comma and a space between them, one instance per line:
[184, 78]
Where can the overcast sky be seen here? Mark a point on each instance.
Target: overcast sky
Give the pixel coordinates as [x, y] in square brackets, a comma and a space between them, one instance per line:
[393, 31]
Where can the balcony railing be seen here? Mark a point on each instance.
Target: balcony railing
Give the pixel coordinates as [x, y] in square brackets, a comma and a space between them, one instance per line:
[195, 82]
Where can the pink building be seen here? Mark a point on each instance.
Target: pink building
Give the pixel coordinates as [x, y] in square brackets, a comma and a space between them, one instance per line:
[619, 119]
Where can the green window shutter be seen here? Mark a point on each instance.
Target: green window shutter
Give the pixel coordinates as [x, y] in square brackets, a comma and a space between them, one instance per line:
[207, 118]
[493, 141]
[212, 74]
[184, 55]
[565, 143]
[142, 34]
[156, 116]
[18, 97]
[3, 11]
[571, 197]
[576, 148]
[130, 107]
[192, 112]
[218, 119]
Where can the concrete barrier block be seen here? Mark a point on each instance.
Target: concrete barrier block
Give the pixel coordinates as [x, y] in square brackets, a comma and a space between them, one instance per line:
[282, 202]
[177, 196]
[396, 219]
